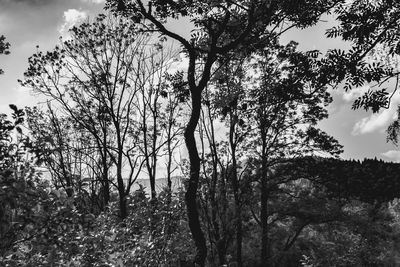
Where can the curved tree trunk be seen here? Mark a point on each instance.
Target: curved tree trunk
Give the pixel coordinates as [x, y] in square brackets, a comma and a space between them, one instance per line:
[190, 196]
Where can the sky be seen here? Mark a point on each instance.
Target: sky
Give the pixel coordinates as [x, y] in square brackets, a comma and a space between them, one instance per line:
[31, 23]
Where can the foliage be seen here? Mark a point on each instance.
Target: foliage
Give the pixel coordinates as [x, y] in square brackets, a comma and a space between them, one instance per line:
[359, 220]
[109, 82]
[370, 27]
[216, 21]
[4, 48]
[220, 29]
[312, 219]
[20, 187]
[264, 198]
[77, 238]
[269, 116]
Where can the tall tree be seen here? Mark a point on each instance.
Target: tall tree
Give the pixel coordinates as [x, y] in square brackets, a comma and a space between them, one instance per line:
[157, 105]
[219, 27]
[226, 89]
[285, 106]
[172, 121]
[272, 108]
[214, 186]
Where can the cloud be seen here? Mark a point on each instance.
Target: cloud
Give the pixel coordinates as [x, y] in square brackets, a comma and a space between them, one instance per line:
[375, 121]
[353, 94]
[178, 64]
[393, 155]
[31, 2]
[378, 121]
[19, 96]
[28, 2]
[72, 17]
[94, 1]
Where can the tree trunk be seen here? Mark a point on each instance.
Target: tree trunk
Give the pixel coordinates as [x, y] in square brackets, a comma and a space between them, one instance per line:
[217, 194]
[221, 248]
[106, 182]
[153, 187]
[106, 188]
[121, 188]
[238, 211]
[122, 204]
[148, 155]
[263, 127]
[169, 161]
[235, 185]
[190, 196]
[264, 216]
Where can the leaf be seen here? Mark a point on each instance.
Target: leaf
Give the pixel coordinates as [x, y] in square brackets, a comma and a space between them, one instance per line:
[18, 129]
[14, 108]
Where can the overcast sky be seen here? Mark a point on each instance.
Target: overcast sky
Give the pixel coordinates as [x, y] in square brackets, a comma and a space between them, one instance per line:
[28, 23]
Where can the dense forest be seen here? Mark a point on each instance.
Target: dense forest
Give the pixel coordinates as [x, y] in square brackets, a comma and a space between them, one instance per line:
[236, 122]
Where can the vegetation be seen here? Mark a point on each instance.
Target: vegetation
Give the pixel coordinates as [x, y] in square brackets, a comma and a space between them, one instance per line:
[262, 185]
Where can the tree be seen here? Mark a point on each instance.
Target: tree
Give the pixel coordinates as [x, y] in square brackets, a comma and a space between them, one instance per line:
[219, 28]
[275, 106]
[214, 187]
[220, 157]
[111, 81]
[4, 48]
[230, 103]
[363, 195]
[71, 157]
[371, 28]
[91, 78]
[158, 106]
[172, 120]
[270, 104]
[288, 102]
[370, 180]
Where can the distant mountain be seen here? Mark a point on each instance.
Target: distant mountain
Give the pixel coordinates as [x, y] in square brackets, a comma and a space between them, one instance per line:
[369, 180]
[177, 182]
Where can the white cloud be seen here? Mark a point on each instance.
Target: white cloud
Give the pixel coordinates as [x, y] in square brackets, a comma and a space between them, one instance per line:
[378, 121]
[375, 121]
[178, 64]
[353, 94]
[393, 155]
[19, 96]
[72, 17]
